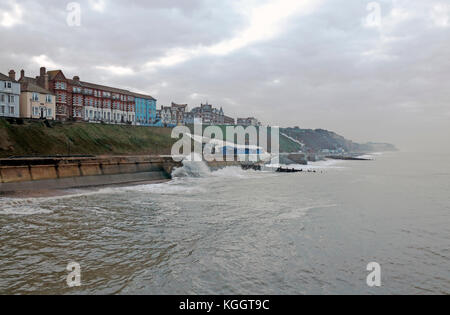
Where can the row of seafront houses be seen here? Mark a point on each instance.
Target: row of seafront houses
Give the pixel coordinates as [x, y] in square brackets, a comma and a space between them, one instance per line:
[53, 96]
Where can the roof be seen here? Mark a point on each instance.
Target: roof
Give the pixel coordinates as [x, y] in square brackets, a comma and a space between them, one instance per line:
[109, 89]
[30, 85]
[52, 74]
[104, 88]
[6, 78]
[179, 105]
[148, 97]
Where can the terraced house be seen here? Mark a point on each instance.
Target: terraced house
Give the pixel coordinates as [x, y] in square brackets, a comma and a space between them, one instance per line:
[9, 95]
[209, 114]
[145, 109]
[35, 101]
[83, 101]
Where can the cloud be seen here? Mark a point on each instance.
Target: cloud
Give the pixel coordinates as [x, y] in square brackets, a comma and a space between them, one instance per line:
[265, 22]
[275, 82]
[116, 70]
[45, 61]
[12, 17]
[197, 96]
[97, 5]
[440, 14]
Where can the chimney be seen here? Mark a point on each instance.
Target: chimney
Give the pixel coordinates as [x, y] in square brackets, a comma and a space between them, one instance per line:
[41, 78]
[76, 78]
[22, 74]
[46, 81]
[12, 75]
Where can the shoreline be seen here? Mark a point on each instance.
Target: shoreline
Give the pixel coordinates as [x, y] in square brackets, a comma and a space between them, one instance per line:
[48, 193]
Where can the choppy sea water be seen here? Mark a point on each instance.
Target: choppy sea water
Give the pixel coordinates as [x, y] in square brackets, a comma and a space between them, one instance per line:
[240, 232]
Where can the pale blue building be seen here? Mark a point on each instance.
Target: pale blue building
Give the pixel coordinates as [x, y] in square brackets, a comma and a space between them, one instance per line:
[145, 109]
[9, 95]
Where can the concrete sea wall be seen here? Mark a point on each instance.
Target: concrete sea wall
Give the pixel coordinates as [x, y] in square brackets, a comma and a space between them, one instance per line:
[56, 173]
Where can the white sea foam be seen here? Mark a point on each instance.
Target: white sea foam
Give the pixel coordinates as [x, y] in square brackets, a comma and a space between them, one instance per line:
[180, 186]
[30, 206]
[235, 172]
[327, 164]
[370, 155]
[45, 205]
[300, 212]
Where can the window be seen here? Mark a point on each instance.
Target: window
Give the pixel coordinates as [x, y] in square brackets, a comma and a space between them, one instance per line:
[61, 97]
[11, 110]
[2, 109]
[8, 85]
[48, 98]
[2, 98]
[35, 97]
[35, 111]
[60, 85]
[49, 112]
[10, 99]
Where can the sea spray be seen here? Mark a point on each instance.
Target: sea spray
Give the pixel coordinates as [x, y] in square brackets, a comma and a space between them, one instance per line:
[192, 167]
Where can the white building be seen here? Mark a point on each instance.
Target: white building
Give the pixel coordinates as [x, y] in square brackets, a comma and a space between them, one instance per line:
[168, 115]
[250, 121]
[9, 95]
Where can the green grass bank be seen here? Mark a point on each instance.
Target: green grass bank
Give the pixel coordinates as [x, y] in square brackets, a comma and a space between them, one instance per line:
[35, 138]
[54, 138]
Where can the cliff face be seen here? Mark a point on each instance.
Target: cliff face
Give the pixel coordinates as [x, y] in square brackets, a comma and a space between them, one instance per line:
[375, 147]
[319, 139]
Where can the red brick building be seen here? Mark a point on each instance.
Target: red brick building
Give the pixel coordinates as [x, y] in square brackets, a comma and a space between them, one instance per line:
[83, 101]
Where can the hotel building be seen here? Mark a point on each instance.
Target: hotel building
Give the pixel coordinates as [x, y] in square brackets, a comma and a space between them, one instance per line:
[83, 101]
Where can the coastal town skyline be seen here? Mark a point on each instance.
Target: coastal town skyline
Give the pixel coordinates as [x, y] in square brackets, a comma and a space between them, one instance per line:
[257, 59]
[53, 96]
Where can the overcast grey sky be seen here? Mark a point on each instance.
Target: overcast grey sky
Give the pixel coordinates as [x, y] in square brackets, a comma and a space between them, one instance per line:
[332, 64]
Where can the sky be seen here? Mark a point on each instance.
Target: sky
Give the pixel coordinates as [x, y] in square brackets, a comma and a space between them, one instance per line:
[368, 70]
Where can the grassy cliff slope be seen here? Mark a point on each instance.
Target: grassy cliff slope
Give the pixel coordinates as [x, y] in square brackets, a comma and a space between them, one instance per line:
[35, 138]
[38, 138]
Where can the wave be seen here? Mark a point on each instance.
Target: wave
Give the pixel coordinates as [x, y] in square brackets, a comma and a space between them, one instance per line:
[192, 169]
[199, 169]
[22, 207]
[46, 205]
[327, 164]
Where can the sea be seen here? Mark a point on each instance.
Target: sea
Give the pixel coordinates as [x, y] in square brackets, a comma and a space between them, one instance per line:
[234, 232]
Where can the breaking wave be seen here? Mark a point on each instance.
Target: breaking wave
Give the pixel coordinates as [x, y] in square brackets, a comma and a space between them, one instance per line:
[192, 168]
[199, 169]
